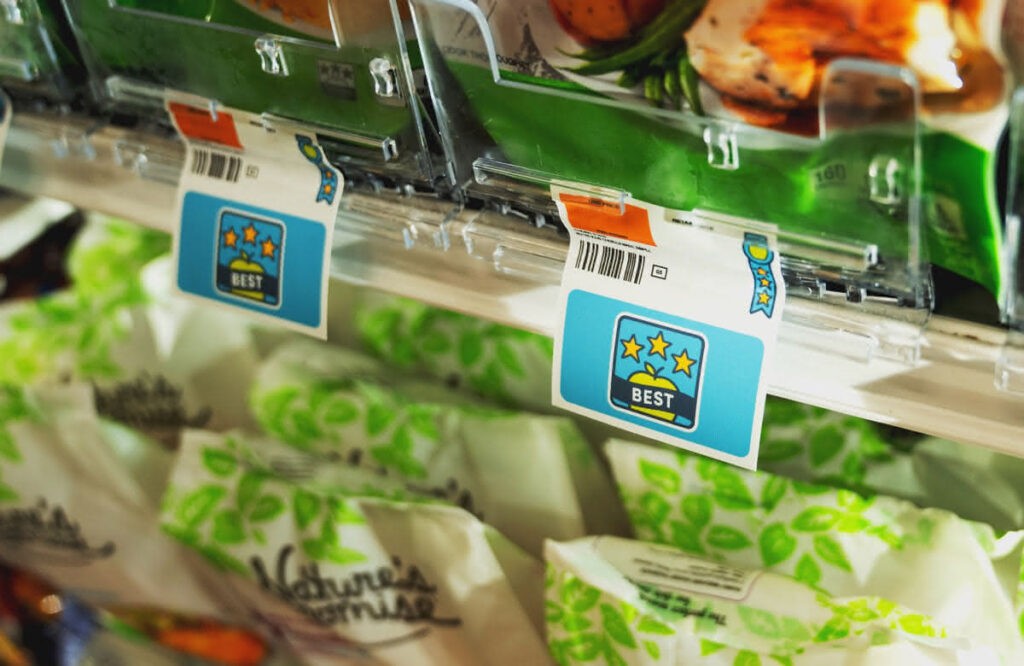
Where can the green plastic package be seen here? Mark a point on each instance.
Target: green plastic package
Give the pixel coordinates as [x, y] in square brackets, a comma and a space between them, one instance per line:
[836, 541]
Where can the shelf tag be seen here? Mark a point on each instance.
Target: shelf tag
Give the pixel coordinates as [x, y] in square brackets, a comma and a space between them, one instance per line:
[257, 205]
[668, 320]
[6, 113]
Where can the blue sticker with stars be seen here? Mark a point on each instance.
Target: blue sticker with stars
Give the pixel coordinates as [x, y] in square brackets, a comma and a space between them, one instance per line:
[676, 376]
[252, 257]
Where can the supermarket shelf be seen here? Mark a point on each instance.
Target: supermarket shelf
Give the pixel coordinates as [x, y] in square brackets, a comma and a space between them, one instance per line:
[489, 265]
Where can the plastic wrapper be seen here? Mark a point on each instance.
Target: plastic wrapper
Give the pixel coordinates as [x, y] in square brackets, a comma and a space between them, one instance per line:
[344, 577]
[636, 603]
[837, 541]
[340, 404]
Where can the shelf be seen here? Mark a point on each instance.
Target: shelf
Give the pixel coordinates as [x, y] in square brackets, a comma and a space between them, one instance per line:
[493, 266]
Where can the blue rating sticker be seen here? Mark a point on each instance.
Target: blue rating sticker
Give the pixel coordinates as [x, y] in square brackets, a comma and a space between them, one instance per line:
[656, 371]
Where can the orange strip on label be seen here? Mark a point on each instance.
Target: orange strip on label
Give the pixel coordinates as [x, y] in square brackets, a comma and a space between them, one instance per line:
[199, 124]
[602, 217]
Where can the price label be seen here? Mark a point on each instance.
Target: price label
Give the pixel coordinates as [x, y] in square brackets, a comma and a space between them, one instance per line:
[256, 204]
[6, 113]
[668, 319]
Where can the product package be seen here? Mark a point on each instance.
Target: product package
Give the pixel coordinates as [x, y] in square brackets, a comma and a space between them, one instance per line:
[343, 568]
[39, 60]
[341, 405]
[636, 603]
[79, 507]
[837, 541]
[824, 118]
[147, 352]
[336, 64]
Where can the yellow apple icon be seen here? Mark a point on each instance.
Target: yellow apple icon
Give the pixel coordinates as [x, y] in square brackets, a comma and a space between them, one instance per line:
[650, 378]
[242, 265]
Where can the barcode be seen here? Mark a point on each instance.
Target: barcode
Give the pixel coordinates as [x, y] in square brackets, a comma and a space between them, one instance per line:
[216, 165]
[609, 261]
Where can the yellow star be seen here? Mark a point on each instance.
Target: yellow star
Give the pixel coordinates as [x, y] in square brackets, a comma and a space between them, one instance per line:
[683, 363]
[230, 238]
[268, 248]
[250, 234]
[763, 298]
[765, 282]
[632, 348]
[659, 345]
[761, 271]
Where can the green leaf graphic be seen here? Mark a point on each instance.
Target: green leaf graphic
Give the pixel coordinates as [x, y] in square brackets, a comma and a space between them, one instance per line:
[552, 612]
[727, 538]
[197, 506]
[471, 348]
[8, 449]
[611, 657]
[615, 626]
[808, 571]
[731, 491]
[815, 519]
[228, 528]
[776, 544]
[833, 630]
[661, 477]
[760, 622]
[686, 537]
[654, 507]
[340, 411]
[510, 360]
[339, 555]
[825, 444]
[649, 625]
[773, 492]
[378, 417]
[575, 623]
[7, 493]
[652, 649]
[779, 450]
[585, 647]
[810, 488]
[248, 489]
[853, 523]
[830, 551]
[746, 658]
[344, 512]
[266, 509]
[306, 506]
[697, 509]
[223, 559]
[315, 549]
[707, 469]
[578, 597]
[793, 629]
[709, 647]
[220, 463]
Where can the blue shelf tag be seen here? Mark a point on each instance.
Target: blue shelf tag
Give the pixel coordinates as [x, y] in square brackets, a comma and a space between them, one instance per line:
[257, 205]
[669, 320]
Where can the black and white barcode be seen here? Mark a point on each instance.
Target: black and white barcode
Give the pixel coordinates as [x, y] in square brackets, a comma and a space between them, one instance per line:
[614, 262]
[216, 165]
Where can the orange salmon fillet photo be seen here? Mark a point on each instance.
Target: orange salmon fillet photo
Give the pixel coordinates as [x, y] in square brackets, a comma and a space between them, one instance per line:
[772, 52]
[605, 20]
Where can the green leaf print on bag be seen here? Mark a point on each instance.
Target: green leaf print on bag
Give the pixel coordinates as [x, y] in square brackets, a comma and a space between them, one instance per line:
[686, 537]
[825, 444]
[697, 509]
[578, 596]
[727, 538]
[815, 519]
[730, 490]
[662, 477]
[773, 492]
[829, 550]
[746, 658]
[585, 647]
[267, 508]
[649, 625]
[760, 622]
[808, 571]
[777, 545]
[654, 508]
[615, 626]
[228, 528]
[248, 489]
[220, 463]
[199, 505]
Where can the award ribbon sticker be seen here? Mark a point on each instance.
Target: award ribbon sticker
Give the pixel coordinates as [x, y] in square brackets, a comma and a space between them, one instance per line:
[668, 321]
[257, 204]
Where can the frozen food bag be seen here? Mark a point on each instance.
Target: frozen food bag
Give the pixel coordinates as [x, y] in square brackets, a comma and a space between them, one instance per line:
[838, 541]
[341, 577]
[506, 365]
[73, 512]
[614, 601]
[617, 94]
[150, 354]
[529, 476]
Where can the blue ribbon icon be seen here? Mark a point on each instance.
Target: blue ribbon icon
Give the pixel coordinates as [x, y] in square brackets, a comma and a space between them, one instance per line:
[328, 176]
[755, 247]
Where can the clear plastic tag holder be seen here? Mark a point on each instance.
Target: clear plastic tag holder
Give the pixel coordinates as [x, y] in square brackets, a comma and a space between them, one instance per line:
[29, 64]
[1010, 365]
[886, 182]
[347, 72]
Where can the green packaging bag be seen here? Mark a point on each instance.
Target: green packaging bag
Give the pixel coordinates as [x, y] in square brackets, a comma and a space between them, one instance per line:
[619, 94]
[615, 601]
[340, 404]
[342, 577]
[79, 502]
[834, 540]
[147, 352]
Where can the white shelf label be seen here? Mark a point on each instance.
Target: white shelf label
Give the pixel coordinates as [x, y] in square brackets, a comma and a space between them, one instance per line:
[257, 205]
[668, 320]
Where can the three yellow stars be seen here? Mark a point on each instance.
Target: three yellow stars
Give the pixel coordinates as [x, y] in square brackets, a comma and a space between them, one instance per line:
[631, 349]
